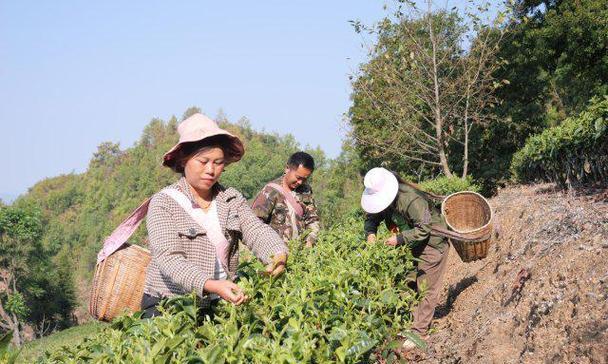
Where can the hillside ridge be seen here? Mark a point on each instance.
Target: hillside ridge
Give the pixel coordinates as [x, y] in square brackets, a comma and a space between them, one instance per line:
[541, 295]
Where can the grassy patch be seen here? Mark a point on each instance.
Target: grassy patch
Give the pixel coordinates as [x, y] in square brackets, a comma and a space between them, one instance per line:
[69, 337]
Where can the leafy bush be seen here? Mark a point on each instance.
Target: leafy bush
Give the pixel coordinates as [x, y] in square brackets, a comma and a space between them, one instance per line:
[575, 152]
[336, 303]
[446, 186]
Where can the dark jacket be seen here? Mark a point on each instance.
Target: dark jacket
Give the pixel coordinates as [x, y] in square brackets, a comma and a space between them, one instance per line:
[413, 215]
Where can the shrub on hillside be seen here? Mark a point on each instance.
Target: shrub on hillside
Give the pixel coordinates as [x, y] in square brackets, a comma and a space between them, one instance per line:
[446, 186]
[575, 152]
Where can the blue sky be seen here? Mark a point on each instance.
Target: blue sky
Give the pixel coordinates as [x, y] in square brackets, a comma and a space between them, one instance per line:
[74, 74]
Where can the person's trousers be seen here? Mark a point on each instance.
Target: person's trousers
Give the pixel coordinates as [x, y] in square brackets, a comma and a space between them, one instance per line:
[430, 275]
[149, 306]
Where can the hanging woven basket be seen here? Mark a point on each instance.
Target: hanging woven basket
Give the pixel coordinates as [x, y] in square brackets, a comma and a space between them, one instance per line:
[469, 215]
[118, 283]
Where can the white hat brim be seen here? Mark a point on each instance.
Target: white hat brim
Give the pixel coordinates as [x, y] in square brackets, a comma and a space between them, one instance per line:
[373, 202]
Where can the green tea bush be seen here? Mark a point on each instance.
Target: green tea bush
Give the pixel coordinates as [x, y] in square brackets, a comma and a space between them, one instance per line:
[337, 302]
[446, 186]
[575, 152]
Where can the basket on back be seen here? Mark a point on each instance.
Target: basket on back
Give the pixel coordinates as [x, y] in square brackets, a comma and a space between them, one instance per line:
[120, 273]
[470, 216]
[118, 283]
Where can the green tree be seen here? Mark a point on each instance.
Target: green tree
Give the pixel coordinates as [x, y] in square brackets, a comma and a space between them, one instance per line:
[556, 61]
[338, 186]
[428, 83]
[264, 160]
[191, 111]
[20, 232]
[568, 42]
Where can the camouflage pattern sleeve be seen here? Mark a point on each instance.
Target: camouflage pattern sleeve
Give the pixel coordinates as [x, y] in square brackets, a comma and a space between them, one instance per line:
[263, 204]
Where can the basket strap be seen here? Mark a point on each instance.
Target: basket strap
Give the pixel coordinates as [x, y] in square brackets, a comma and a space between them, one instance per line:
[445, 233]
[429, 195]
[295, 205]
[123, 232]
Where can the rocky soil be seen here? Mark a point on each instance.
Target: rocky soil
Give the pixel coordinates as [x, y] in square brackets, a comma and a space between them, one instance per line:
[541, 295]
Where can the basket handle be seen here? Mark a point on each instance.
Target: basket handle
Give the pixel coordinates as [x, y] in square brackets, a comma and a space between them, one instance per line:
[123, 232]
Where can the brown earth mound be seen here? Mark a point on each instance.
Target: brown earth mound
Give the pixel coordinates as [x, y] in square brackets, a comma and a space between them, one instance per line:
[541, 295]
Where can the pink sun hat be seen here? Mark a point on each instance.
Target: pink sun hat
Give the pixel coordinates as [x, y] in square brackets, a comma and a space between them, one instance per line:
[198, 127]
[381, 187]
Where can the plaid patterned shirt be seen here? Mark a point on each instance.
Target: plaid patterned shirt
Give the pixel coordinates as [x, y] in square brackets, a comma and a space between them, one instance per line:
[183, 258]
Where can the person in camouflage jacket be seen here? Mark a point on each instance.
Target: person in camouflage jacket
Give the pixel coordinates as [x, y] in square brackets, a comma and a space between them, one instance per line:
[272, 204]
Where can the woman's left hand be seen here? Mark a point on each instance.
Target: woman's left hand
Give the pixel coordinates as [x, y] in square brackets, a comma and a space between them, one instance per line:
[392, 241]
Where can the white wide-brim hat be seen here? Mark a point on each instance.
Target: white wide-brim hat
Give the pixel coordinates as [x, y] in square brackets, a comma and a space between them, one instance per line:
[381, 187]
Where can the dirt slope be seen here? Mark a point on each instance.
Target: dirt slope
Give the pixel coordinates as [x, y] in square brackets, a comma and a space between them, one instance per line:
[541, 295]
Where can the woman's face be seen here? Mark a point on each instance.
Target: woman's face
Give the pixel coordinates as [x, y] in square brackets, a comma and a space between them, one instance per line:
[204, 169]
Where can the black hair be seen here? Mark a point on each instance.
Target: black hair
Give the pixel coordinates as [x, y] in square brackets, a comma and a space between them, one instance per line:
[301, 159]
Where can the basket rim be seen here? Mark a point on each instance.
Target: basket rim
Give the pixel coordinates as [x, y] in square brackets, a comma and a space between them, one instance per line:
[139, 247]
[469, 193]
[131, 245]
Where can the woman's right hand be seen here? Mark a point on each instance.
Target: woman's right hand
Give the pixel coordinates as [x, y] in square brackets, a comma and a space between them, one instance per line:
[227, 290]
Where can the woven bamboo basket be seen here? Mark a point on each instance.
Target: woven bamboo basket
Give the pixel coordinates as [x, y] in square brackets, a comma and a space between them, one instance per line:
[118, 283]
[470, 215]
